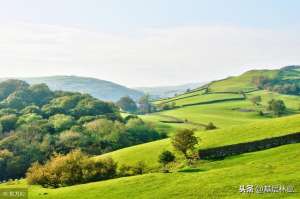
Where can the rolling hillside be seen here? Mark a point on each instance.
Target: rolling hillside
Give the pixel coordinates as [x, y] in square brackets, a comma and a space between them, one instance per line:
[220, 179]
[227, 104]
[244, 82]
[100, 89]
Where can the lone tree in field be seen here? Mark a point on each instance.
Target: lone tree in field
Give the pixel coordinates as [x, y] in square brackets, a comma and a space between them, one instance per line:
[166, 157]
[256, 100]
[127, 104]
[277, 106]
[184, 141]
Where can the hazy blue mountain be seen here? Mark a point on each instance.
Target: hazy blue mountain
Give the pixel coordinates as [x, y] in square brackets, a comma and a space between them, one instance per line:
[168, 91]
[104, 90]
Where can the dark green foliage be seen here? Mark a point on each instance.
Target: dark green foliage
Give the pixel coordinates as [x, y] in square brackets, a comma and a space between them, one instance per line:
[31, 109]
[8, 122]
[36, 122]
[73, 168]
[61, 122]
[285, 82]
[127, 104]
[166, 157]
[129, 117]
[184, 141]
[41, 94]
[145, 105]
[10, 86]
[210, 126]
[277, 106]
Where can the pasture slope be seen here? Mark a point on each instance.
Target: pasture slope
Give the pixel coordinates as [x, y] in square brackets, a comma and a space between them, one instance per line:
[226, 103]
[217, 179]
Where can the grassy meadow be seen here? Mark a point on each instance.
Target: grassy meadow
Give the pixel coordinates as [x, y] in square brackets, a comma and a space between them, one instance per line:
[237, 119]
[217, 179]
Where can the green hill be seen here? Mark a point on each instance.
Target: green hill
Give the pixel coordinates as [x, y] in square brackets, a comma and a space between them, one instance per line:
[226, 136]
[228, 105]
[101, 89]
[245, 83]
[220, 179]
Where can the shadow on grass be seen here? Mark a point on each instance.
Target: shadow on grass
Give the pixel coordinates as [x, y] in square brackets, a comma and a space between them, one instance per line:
[191, 170]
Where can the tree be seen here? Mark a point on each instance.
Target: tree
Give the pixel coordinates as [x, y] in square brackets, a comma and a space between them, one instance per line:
[61, 122]
[277, 106]
[184, 141]
[166, 157]
[41, 94]
[144, 105]
[127, 104]
[8, 122]
[256, 100]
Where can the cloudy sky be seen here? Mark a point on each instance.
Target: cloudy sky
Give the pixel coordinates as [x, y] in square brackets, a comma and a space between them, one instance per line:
[147, 42]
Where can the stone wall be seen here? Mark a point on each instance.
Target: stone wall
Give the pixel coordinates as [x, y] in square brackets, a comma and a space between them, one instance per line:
[235, 149]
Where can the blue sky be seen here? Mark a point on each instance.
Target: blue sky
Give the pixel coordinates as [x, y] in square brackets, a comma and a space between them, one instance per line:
[159, 42]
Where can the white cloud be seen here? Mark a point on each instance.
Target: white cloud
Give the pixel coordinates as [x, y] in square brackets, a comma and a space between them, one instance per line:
[145, 57]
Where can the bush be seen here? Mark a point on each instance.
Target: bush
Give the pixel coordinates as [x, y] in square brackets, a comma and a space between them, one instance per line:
[131, 170]
[166, 157]
[277, 106]
[210, 126]
[73, 168]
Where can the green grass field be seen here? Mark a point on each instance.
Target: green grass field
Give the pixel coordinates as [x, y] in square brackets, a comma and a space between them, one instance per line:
[217, 179]
[240, 83]
[179, 97]
[220, 137]
[222, 114]
[206, 98]
[237, 121]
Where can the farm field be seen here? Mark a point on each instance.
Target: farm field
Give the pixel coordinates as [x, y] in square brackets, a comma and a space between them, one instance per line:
[218, 179]
[208, 139]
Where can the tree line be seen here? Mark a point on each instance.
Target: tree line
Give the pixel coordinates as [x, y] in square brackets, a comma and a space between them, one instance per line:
[36, 123]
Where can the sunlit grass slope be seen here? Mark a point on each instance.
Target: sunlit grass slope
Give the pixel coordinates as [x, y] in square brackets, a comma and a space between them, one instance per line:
[227, 113]
[206, 98]
[242, 82]
[149, 152]
[211, 180]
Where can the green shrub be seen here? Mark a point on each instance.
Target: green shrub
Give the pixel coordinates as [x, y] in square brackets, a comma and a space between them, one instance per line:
[166, 157]
[73, 168]
[210, 126]
[131, 170]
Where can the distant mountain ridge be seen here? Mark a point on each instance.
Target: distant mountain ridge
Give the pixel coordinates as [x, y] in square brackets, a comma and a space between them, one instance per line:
[101, 89]
[168, 91]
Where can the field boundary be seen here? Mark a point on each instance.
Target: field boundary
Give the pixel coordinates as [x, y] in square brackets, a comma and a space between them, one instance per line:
[236, 149]
[214, 101]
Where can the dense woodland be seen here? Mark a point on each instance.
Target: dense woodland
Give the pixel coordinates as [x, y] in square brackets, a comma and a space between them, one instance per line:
[36, 123]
